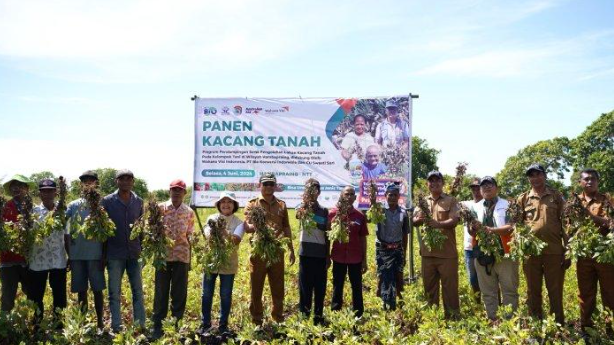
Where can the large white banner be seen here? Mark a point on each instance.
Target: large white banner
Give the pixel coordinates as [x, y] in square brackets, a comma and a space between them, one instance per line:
[336, 141]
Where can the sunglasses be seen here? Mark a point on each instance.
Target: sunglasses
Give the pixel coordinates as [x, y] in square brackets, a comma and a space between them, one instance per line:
[268, 184]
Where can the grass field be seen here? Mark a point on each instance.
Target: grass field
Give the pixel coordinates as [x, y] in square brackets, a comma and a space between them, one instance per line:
[414, 323]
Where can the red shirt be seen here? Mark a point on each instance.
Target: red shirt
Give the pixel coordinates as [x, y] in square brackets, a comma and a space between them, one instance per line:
[351, 252]
[10, 214]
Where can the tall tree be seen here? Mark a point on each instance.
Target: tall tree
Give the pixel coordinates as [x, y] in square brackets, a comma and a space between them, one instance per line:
[553, 154]
[594, 148]
[423, 158]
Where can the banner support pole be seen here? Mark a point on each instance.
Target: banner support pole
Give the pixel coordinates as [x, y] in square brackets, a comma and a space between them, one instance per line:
[409, 204]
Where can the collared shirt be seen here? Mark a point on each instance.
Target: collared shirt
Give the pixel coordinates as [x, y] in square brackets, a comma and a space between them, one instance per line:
[10, 213]
[234, 226]
[368, 173]
[396, 225]
[392, 134]
[51, 254]
[81, 248]
[494, 214]
[179, 223]
[313, 241]
[124, 215]
[443, 208]
[276, 214]
[544, 216]
[597, 207]
[351, 252]
[364, 141]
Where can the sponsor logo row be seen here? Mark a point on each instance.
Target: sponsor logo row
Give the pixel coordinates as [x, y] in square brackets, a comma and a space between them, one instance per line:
[238, 110]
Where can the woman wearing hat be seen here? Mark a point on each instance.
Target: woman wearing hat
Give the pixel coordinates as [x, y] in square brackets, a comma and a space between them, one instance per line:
[227, 205]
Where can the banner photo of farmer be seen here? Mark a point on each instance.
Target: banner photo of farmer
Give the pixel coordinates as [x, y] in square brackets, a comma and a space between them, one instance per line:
[338, 141]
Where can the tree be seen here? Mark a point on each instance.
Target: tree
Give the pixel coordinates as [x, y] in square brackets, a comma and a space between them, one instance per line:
[594, 148]
[106, 178]
[553, 154]
[423, 158]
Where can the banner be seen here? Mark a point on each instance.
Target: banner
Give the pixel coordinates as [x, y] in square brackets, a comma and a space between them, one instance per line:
[337, 141]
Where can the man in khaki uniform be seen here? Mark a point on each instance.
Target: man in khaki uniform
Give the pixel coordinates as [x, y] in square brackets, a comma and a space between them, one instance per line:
[440, 264]
[543, 210]
[276, 217]
[589, 271]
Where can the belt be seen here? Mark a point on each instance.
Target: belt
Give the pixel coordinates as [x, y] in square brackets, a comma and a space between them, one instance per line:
[389, 246]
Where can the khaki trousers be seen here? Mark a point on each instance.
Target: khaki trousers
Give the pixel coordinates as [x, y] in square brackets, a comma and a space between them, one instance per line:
[258, 272]
[548, 268]
[435, 270]
[504, 276]
[590, 272]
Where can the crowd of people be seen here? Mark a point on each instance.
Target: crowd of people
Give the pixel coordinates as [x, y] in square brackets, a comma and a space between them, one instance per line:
[495, 283]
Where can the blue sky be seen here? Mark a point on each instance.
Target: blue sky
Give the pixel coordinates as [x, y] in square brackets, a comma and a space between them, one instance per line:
[87, 84]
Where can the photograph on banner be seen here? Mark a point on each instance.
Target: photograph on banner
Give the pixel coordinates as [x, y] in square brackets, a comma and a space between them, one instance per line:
[336, 141]
[374, 140]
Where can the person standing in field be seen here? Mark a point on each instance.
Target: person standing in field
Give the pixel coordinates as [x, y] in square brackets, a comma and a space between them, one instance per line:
[85, 256]
[173, 278]
[13, 267]
[501, 275]
[350, 258]
[390, 248]
[440, 264]
[543, 210]
[48, 260]
[227, 205]
[589, 271]
[314, 260]
[468, 240]
[277, 217]
[122, 254]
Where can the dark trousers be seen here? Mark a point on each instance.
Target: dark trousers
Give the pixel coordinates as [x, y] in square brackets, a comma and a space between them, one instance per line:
[355, 275]
[589, 273]
[548, 268]
[174, 281]
[38, 285]
[312, 284]
[10, 278]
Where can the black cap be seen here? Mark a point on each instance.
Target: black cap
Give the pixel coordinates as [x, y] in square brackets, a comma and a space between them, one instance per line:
[123, 172]
[434, 173]
[90, 174]
[46, 184]
[268, 177]
[488, 179]
[475, 182]
[535, 167]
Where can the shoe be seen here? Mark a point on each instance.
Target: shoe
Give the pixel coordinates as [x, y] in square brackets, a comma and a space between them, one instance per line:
[156, 333]
[204, 329]
[320, 321]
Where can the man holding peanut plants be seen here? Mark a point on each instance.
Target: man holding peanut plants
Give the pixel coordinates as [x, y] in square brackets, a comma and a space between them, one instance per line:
[440, 264]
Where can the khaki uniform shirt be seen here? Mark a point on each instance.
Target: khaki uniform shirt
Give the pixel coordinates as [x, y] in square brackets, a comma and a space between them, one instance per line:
[597, 207]
[276, 214]
[443, 208]
[544, 216]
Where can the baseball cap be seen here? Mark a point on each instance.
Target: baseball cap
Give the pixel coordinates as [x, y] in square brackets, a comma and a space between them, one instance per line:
[488, 179]
[178, 184]
[46, 183]
[391, 103]
[475, 182]
[535, 167]
[434, 173]
[268, 177]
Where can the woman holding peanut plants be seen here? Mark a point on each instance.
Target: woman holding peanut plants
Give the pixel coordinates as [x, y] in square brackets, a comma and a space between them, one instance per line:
[226, 229]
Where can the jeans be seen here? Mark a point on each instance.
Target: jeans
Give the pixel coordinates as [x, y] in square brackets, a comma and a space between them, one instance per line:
[354, 271]
[471, 273]
[226, 283]
[116, 270]
[173, 281]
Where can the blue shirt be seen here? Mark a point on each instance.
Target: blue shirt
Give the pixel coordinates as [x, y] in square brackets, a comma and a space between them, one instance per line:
[394, 227]
[80, 248]
[368, 173]
[124, 215]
